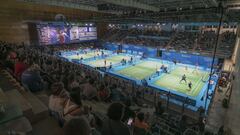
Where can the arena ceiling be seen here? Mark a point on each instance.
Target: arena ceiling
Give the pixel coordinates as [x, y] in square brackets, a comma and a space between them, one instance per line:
[152, 10]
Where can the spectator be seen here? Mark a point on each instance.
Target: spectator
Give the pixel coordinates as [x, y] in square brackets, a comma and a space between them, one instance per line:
[77, 126]
[140, 123]
[89, 91]
[201, 124]
[113, 125]
[72, 82]
[72, 107]
[159, 108]
[88, 115]
[116, 93]
[20, 67]
[57, 98]
[91, 119]
[12, 54]
[221, 130]
[9, 63]
[103, 93]
[128, 112]
[183, 124]
[31, 79]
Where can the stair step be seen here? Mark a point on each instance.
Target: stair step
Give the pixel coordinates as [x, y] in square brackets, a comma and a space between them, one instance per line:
[19, 125]
[99, 107]
[3, 98]
[15, 97]
[40, 110]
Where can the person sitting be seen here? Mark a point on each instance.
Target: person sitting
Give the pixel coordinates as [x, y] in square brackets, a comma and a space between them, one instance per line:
[140, 123]
[116, 94]
[20, 67]
[103, 93]
[182, 125]
[89, 91]
[77, 126]
[56, 100]
[159, 108]
[8, 63]
[72, 82]
[113, 125]
[72, 107]
[129, 113]
[31, 79]
[89, 116]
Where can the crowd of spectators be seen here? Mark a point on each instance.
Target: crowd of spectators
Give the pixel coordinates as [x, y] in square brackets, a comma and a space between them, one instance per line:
[207, 41]
[141, 37]
[192, 41]
[184, 41]
[146, 42]
[70, 84]
[227, 42]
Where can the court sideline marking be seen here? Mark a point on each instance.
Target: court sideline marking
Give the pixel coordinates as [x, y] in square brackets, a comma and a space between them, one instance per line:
[198, 82]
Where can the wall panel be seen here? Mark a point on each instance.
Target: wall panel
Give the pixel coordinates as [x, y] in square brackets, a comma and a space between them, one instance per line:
[14, 15]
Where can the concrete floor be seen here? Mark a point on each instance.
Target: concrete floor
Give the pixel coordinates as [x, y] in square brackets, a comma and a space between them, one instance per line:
[48, 126]
[216, 112]
[229, 117]
[232, 120]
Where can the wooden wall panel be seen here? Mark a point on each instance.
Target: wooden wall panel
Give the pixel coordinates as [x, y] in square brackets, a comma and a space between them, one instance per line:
[14, 15]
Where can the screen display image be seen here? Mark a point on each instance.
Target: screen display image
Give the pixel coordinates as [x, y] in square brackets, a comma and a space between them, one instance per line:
[83, 29]
[92, 29]
[74, 33]
[53, 35]
[50, 34]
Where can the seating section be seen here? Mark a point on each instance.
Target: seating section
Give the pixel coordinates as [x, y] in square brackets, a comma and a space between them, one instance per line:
[70, 78]
[191, 41]
[226, 43]
[184, 41]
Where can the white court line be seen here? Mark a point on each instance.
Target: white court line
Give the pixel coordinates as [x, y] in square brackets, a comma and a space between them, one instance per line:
[197, 84]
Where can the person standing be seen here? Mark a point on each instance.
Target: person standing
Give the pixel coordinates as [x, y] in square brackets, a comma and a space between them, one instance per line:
[183, 78]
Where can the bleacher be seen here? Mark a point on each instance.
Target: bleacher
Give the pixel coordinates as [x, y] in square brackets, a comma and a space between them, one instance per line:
[31, 109]
[194, 42]
[184, 41]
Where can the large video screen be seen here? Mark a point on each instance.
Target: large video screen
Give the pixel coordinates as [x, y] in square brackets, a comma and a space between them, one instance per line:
[50, 34]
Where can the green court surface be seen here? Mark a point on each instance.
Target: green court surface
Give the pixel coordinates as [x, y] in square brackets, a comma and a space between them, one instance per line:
[172, 81]
[141, 70]
[113, 59]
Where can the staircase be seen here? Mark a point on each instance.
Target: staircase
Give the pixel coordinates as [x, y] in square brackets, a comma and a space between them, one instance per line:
[24, 107]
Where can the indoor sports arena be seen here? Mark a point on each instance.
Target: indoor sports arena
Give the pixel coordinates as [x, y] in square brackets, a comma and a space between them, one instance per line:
[119, 67]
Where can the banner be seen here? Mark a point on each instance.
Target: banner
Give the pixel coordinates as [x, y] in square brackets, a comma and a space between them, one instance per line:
[111, 46]
[191, 59]
[148, 51]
